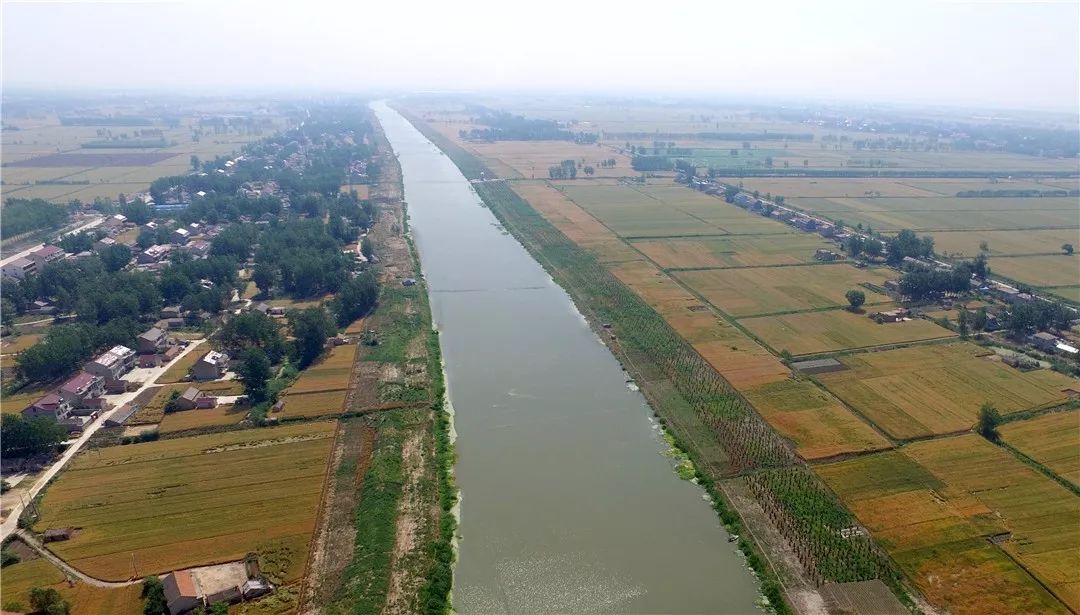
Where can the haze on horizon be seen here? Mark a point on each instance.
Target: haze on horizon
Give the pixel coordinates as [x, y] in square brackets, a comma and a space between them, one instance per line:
[1015, 55]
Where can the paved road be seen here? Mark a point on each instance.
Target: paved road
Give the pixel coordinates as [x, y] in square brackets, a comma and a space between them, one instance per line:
[10, 257]
[10, 524]
[33, 543]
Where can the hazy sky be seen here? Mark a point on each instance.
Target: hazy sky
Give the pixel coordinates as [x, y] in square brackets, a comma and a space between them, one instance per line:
[990, 54]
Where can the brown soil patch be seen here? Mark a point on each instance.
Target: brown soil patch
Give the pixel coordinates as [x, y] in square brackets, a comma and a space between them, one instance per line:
[576, 223]
[335, 537]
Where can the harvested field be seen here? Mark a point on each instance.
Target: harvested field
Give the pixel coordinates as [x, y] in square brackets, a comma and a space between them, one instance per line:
[1051, 440]
[574, 222]
[320, 403]
[938, 389]
[1056, 270]
[148, 503]
[933, 505]
[93, 160]
[819, 426]
[222, 415]
[832, 330]
[765, 290]
[329, 373]
[732, 251]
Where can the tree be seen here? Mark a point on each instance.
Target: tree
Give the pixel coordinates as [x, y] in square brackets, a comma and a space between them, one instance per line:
[1067, 248]
[219, 608]
[978, 322]
[195, 162]
[115, 257]
[153, 594]
[366, 248]
[962, 322]
[265, 277]
[984, 246]
[21, 437]
[989, 419]
[355, 298]
[855, 298]
[255, 373]
[311, 327]
[137, 211]
[48, 601]
[7, 312]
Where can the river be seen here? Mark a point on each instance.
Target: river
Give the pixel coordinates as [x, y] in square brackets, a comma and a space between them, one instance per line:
[568, 502]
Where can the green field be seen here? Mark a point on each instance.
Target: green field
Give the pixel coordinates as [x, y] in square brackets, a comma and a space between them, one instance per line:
[665, 210]
[967, 243]
[766, 290]
[833, 330]
[1056, 270]
[947, 214]
[732, 251]
[938, 389]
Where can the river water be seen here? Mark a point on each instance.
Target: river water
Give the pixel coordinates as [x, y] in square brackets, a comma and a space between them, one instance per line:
[568, 502]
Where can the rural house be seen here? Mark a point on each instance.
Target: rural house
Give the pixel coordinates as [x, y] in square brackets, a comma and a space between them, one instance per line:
[193, 398]
[45, 255]
[181, 594]
[19, 268]
[1044, 341]
[212, 366]
[153, 254]
[113, 364]
[84, 390]
[152, 341]
[57, 408]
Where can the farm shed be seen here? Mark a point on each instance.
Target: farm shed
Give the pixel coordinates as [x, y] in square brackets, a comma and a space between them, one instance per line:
[181, 594]
[122, 414]
[818, 366]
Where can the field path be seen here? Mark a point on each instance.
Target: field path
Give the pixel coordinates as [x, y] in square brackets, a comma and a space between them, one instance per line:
[32, 542]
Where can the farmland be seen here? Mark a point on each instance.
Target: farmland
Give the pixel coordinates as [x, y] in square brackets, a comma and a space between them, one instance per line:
[934, 504]
[146, 503]
[818, 425]
[322, 388]
[745, 291]
[936, 389]
[45, 159]
[221, 416]
[1057, 270]
[20, 578]
[731, 251]
[1050, 440]
[764, 290]
[808, 333]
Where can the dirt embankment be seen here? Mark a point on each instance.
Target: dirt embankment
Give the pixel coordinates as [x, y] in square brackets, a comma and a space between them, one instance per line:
[335, 536]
